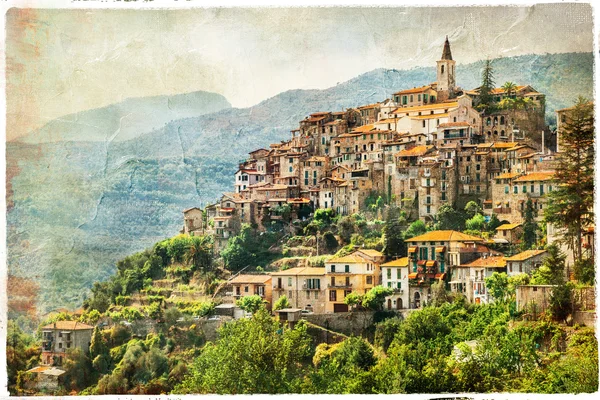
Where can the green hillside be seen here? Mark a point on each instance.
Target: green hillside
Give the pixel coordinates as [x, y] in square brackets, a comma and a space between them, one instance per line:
[75, 207]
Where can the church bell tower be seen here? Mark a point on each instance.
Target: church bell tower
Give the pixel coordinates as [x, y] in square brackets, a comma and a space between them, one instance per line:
[446, 81]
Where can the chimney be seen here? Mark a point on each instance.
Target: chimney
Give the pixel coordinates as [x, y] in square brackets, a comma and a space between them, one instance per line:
[543, 142]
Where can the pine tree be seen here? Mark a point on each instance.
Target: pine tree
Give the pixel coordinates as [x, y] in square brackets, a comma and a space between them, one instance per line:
[570, 205]
[530, 227]
[394, 245]
[487, 85]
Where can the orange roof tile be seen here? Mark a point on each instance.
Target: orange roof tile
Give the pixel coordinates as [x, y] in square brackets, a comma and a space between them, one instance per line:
[68, 326]
[363, 128]
[429, 116]
[492, 262]
[371, 252]
[536, 176]
[350, 258]
[453, 124]
[507, 227]
[414, 151]
[301, 271]
[414, 90]
[445, 236]
[400, 262]
[526, 255]
[507, 175]
[251, 279]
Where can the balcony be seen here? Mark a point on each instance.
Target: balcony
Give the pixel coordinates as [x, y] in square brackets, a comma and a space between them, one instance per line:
[278, 288]
[502, 210]
[339, 285]
[339, 273]
[305, 287]
[398, 291]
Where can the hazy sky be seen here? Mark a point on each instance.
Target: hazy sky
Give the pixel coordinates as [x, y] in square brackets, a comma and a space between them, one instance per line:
[63, 61]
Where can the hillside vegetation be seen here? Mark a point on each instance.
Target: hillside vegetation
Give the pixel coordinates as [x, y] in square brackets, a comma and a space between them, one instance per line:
[76, 207]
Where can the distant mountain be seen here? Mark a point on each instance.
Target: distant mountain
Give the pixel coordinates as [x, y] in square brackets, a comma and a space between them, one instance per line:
[78, 206]
[127, 119]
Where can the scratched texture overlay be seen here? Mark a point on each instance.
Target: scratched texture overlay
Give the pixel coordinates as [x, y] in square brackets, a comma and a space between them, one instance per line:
[117, 120]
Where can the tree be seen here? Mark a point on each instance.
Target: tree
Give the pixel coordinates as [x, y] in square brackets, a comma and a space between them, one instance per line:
[200, 253]
[552, 270]
[250, 356]
[415, 229]
[97, 345]
[438, 294]
[530, 227]
[353, 299]
[472, 209]
[449, 219]
[477, 223]
[282, 303]
[509, 88]
[374, 299]
[393, 241]
[239, 250]
[345, 228]
[487, 85]
[570, 205]
[497, 285]
[250, 304]
[493, 223]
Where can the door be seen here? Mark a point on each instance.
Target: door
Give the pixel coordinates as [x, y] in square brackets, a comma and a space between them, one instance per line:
[389, 304]
[399, 303]
[340, 308]
[417, 300]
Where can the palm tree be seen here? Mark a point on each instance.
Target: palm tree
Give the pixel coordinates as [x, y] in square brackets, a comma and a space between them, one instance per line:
[509, 88]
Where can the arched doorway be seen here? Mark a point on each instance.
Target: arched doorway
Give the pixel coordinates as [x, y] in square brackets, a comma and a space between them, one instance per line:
[417, 300]
[389, 304]
[399, 303]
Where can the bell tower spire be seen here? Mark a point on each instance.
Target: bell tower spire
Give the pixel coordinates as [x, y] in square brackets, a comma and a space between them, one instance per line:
[446, 81]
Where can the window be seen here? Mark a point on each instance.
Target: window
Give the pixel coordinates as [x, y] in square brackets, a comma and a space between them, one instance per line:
[316, 294]
[289, 281]
[398, 273]
[515, 189]
[389, 284]
[423, 124]
[524, 189]
[506, 189]
[389, 273]
[346, 268]
[369, 280]
[333, 268]
[246, 289]
[333, 295]
[290, 293]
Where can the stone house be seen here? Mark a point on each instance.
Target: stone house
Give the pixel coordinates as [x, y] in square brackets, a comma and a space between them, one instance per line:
[525, 262]
[509, 233]
[417, 96]
[434, 256]
[480, 269]
[369, 113]
[357, 272]
[395, 276]
[304, 287]
[193, 221]
[249, 285]
[61, 336]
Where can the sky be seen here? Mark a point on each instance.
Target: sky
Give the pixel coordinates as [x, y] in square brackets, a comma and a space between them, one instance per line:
[61, 61]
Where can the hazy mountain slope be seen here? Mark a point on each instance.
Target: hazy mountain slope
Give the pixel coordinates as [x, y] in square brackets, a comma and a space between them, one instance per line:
[79, 206]
[127, 119]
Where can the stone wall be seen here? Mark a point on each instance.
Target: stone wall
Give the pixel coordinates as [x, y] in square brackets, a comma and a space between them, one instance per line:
[349, 323]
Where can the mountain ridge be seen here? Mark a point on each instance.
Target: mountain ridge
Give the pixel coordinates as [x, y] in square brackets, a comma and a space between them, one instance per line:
[82, 205]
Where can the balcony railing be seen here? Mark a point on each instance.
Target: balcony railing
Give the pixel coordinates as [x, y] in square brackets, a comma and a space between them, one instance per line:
[339, 285]
[502, 210]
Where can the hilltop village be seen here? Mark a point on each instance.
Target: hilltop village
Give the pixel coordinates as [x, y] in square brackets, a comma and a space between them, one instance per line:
[421, 149]
[396, 247]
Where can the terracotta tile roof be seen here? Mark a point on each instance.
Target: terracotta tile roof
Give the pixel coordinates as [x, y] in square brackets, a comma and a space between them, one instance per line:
[275, 186]
[387, 121]
[490, 262]
[414, 90]
[251, 279]
[400, 262]
[507, 175]
[445, 236]
[507, 227]
[536, 176]
[364, 128]
[68, 326]
[369, 106]
[503, 145]
[301, 271]
[299, 200]
[413, 152]
[427, 107]
[429, 116]
[431, 263]
[190, 209]
[350, 258]
[526, 255]
[412, 275]
[371, 252]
